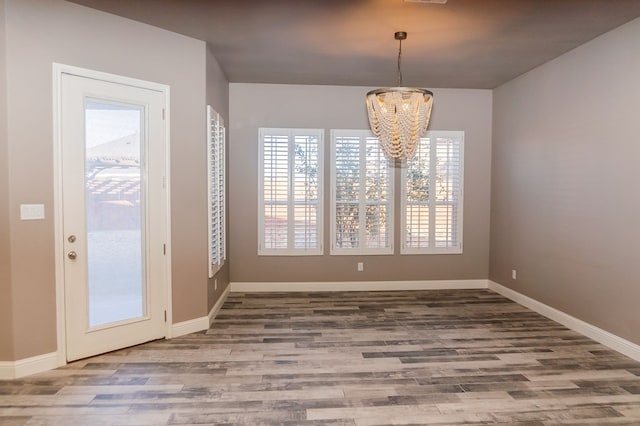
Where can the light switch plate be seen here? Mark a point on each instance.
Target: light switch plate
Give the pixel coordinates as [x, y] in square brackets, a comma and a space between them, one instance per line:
[31, 211]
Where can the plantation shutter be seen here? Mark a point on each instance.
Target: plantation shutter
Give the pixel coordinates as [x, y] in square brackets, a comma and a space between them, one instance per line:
[291, 195]
[432, 195]
[347, 192]
[447, 193]
[222, 205]
[362, 195]
[216, 189]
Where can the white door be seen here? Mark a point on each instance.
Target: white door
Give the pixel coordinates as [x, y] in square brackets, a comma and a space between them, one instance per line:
[113, 214]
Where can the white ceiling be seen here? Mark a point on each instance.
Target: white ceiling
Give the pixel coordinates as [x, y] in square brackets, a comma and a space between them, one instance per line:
[461, 44]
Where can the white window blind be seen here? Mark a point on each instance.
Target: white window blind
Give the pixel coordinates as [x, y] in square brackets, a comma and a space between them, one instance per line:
[291, 172]
[432, 195]
[216, 190]
[361, 195]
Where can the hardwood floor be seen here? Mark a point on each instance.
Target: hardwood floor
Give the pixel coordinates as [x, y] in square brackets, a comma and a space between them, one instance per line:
[413, 357]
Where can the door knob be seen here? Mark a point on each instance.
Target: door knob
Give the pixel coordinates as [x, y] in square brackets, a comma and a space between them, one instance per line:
[72, 255]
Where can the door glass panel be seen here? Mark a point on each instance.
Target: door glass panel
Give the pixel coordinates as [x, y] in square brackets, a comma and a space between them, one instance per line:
[114, 211]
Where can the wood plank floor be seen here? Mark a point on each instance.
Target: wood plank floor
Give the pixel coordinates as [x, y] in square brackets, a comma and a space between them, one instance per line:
[363, 358]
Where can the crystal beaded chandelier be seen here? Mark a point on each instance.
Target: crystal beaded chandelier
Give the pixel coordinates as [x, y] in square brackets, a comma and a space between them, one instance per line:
[399, 116]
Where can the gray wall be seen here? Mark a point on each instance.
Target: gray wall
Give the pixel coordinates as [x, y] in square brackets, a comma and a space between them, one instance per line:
[565, 203]
[218, 98]
[40, 32]
[217, 87]
[6, 311]
[263, 105]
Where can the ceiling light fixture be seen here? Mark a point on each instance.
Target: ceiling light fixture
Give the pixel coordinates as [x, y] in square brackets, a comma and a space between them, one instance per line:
[399, 116]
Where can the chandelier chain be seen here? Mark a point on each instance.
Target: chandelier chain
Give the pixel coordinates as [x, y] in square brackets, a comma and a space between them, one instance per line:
[399, 61]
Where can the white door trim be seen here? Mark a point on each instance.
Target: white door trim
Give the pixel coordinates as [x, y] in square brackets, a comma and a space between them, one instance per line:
[58, 71]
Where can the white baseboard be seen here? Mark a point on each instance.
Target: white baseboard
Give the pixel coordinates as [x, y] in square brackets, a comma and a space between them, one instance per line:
[614, 342]
[191, 326]
[28, 366]
[256, 287]
[216, 308]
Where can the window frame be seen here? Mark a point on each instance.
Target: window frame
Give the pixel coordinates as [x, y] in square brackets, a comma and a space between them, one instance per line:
[364, 135]
[292, 133]
[432, 203]
[216, 191]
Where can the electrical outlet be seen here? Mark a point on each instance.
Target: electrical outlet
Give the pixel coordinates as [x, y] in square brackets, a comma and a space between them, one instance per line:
[360, 266]
[513, 274]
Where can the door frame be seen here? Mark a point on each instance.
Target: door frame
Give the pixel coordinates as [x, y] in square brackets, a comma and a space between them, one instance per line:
[58, 71]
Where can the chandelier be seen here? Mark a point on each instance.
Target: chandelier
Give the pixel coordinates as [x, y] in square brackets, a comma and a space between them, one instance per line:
[399, 116]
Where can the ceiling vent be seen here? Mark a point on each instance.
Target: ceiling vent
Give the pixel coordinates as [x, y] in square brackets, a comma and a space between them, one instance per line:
[426, 1]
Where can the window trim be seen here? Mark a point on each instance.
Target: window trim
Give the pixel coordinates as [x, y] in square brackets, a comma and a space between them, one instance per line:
[366, 251]
[292, 133]
[404, 250]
